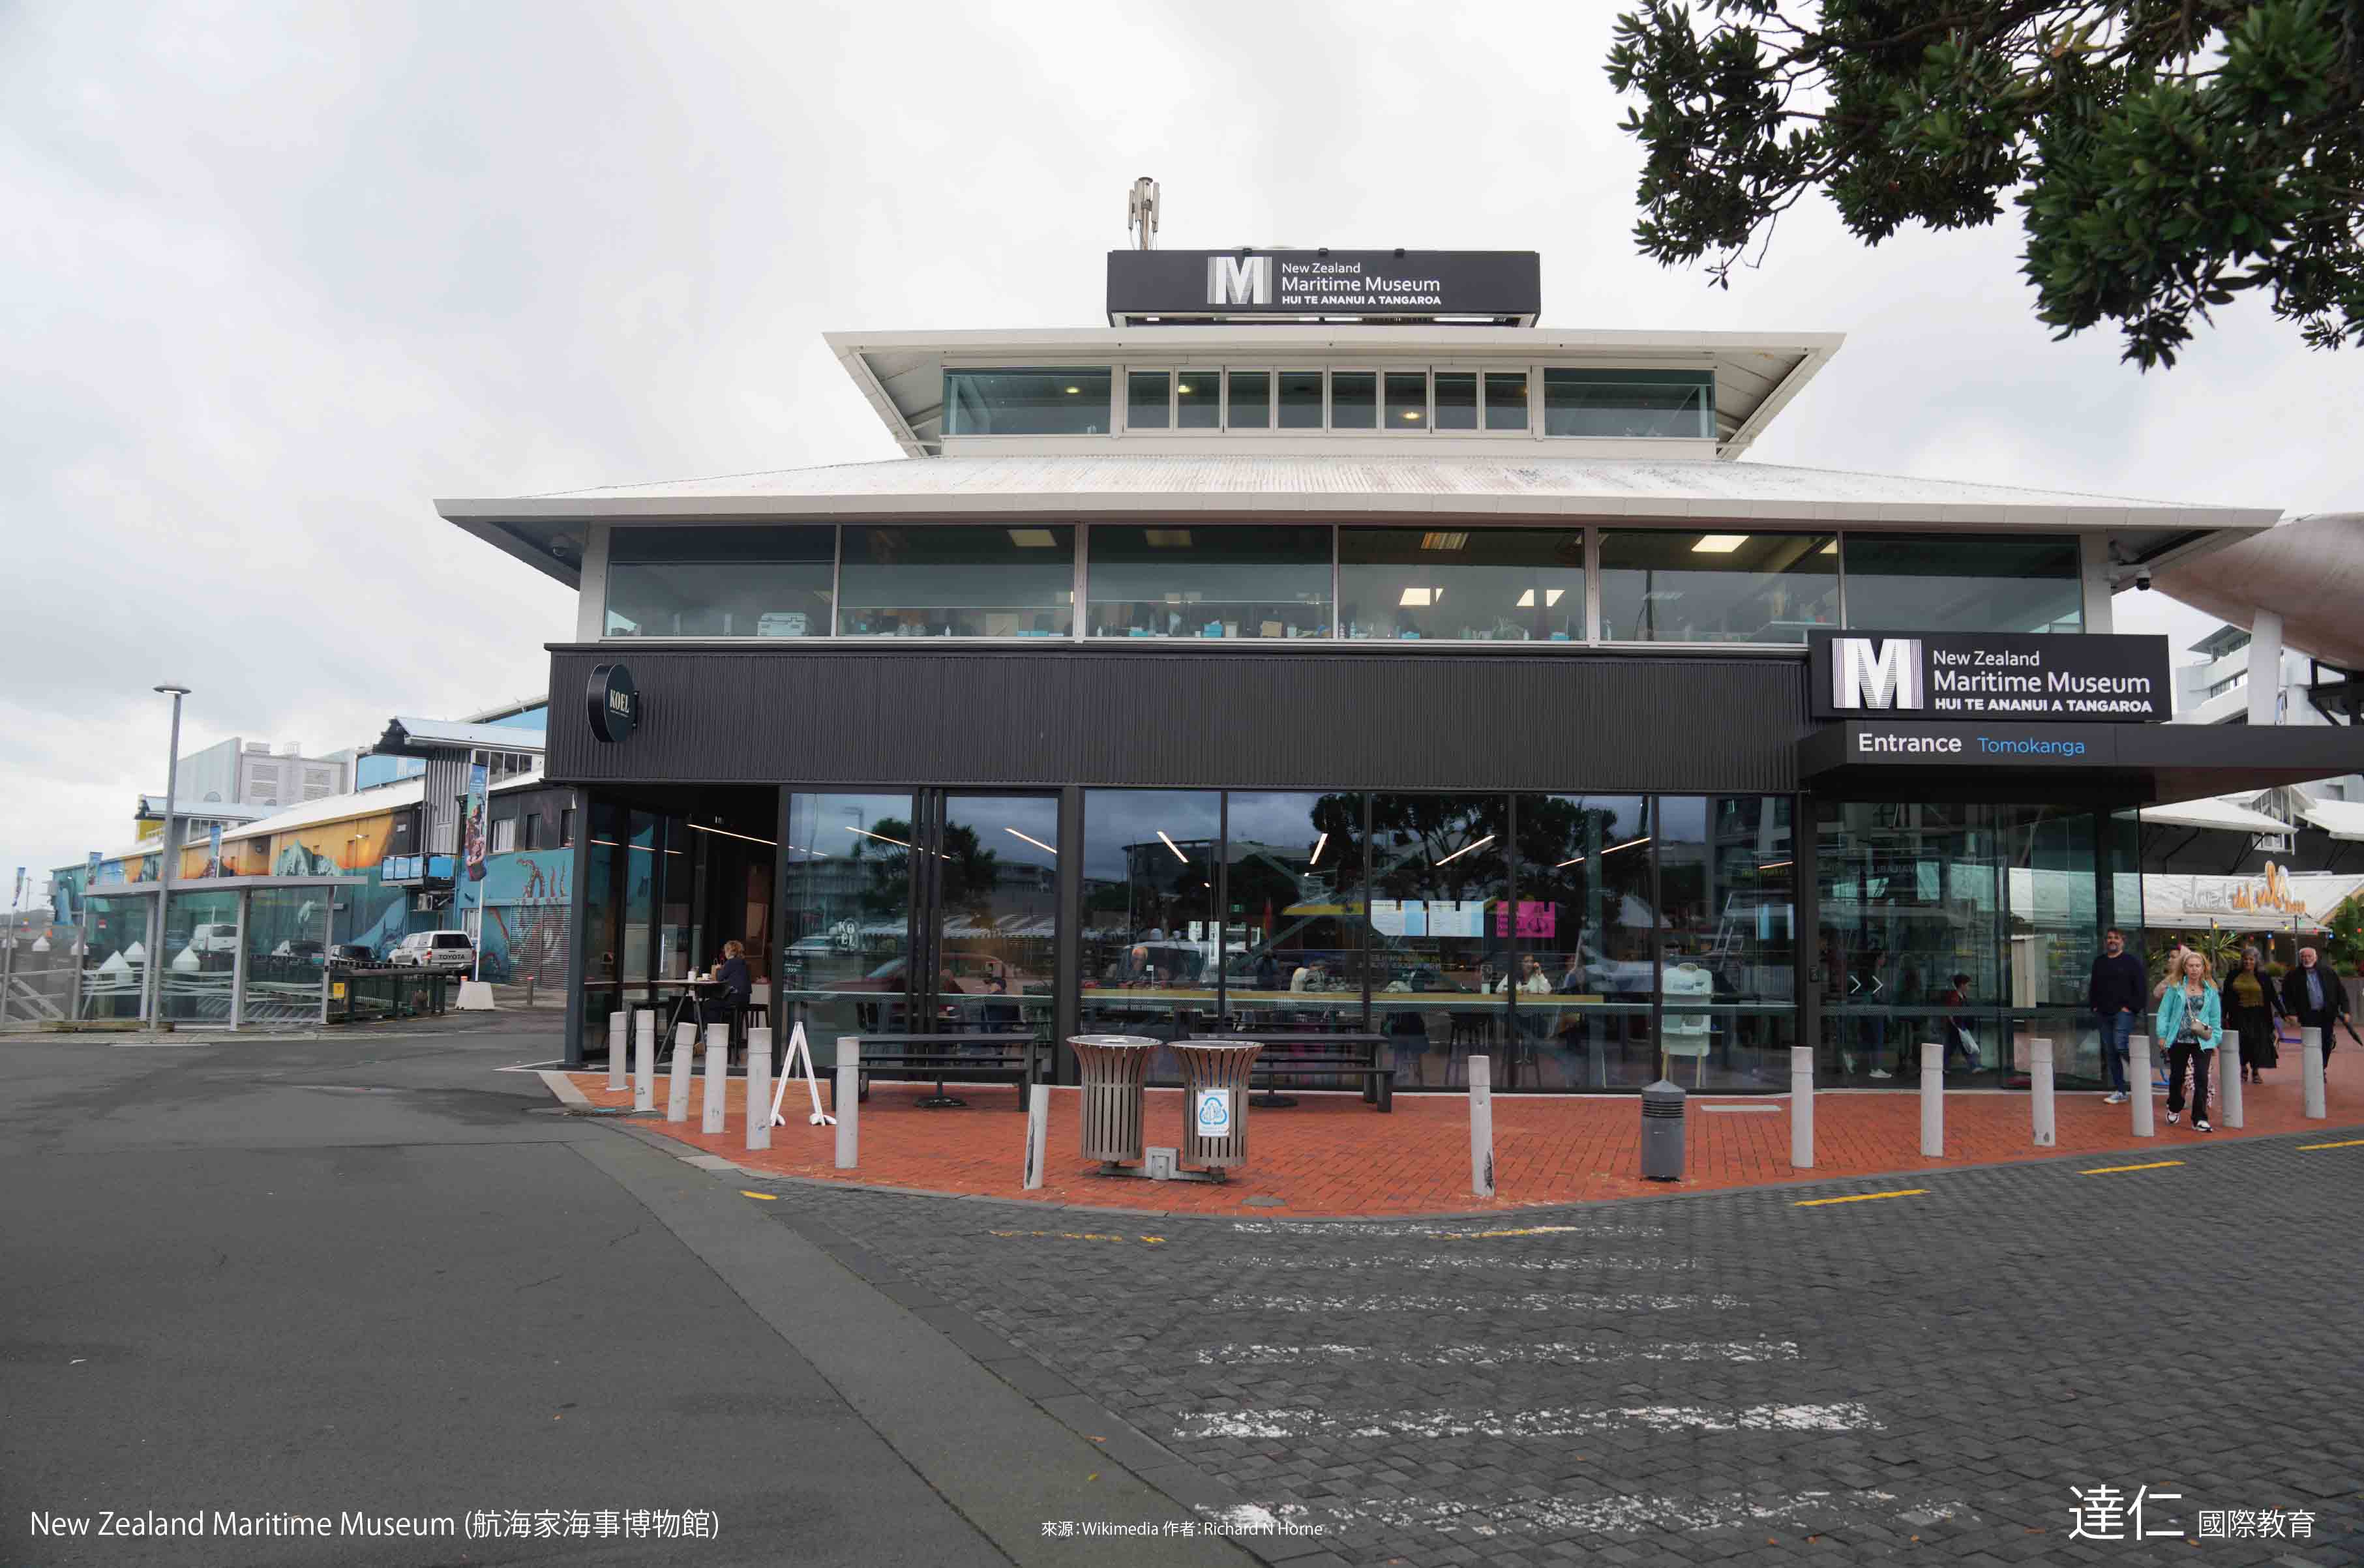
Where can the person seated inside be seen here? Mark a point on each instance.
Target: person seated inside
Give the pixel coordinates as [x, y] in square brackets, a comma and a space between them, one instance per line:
[737, 986]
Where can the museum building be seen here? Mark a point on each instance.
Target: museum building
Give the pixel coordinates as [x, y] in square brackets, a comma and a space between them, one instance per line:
[1322, 644]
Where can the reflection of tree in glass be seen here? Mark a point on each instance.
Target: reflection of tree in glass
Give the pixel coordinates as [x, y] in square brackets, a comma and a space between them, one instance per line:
[970, 871]
[1436, 845]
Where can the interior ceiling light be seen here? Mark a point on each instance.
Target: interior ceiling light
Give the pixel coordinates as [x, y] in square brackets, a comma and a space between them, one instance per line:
[1718, 544]
[1167, 539]
[1443, 541]
[1031, 839]
[1411, 413]
[1626, 845]
[729, 834]
[1466, 848]
[1174, 847]
[1033, 538]
[1073, 389]
[1420, 598]
[1184, 388]
[1315, 858]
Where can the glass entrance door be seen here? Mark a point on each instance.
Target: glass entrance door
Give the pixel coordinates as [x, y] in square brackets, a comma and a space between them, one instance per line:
[987, 896]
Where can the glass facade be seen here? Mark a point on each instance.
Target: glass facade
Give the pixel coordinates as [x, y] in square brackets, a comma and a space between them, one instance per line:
[1629, 404]
[1251, 396]
[719, 582]
[1027, 402]
[997, 911]
[200, 957]
[1973, 925]
[286, 955]
[1660, 585]
[1210, 582]
[1151, 950]
[1956, 582]
[1472, 585]
[844, 926]
[115, 957]
[909, 580]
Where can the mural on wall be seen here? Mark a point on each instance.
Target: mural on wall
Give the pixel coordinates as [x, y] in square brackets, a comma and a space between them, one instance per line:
[527, 898]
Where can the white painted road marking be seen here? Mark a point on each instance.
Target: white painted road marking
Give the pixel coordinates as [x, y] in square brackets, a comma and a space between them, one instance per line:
[1531, 1301]
[1557, 1354]
[1356, 1230]
[1428, 1262]
[1555, 1422]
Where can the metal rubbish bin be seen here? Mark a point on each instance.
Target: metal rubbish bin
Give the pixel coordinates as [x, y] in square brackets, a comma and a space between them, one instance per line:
[1114, 1066]
[1662, 1132]
[1215, 1101]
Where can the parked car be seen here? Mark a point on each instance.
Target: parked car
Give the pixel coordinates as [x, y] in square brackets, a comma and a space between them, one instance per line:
[216, 937]
[351, 955]
[434, 949]
[300, 950]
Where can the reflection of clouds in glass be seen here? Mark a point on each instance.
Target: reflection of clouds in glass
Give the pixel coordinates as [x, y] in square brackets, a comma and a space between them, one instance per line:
[1284, 821]
[1114, 819]
[1035, 816]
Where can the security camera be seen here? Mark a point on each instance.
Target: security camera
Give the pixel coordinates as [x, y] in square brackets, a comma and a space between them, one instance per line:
[2142, 578]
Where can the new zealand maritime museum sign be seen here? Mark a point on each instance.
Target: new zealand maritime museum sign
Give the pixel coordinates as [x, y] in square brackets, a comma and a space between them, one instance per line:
[1501, 284]
[2059, 677]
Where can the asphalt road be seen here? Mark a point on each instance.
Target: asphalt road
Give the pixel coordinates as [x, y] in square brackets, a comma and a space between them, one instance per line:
[374, 1275]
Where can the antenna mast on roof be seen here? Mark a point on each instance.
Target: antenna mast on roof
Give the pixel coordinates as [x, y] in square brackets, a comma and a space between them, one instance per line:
[1140, 214]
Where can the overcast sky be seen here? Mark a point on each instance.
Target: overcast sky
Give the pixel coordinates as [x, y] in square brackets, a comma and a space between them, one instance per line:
[274, 278]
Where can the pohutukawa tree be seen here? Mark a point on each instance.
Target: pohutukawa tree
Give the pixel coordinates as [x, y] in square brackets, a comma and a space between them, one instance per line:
[2165, 155]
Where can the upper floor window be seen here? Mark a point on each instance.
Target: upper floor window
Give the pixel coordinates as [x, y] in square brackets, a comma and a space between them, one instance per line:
[1964, 583]
[1462, 584]
[1027, 402]
[1664, 585]
[719, 582]
[1210, 582]
[1620, 404]
[950, 580]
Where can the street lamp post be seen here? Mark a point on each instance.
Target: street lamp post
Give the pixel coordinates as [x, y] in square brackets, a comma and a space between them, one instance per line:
[171, 855]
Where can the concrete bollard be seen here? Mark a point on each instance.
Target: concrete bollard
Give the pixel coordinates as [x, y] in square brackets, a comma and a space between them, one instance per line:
[644, 1065]
[759, 1088]
[2228, 1079]
[684, 1061]
[717, 1077]
[849, 1100]
[1801, 1108]
[619, 1043]
[1038, 1133]
[1932, 1099]
[2310, 1056]
[2039, 1094]
[2138, 1087]
[1481, 1125]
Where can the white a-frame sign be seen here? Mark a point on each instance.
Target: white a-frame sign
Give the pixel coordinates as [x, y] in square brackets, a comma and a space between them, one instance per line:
[799, 1052]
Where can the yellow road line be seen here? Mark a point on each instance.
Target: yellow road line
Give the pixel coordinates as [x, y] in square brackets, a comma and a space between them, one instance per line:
[1083, 1236]
[2113, 1170]
[2349, 1143]
[1860, 1198]
[767, 1198]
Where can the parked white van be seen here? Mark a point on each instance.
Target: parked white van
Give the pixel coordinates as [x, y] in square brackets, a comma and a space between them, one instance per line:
[434, 949]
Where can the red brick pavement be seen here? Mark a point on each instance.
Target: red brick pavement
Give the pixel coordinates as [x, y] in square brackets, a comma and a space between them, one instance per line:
[1334, 1155]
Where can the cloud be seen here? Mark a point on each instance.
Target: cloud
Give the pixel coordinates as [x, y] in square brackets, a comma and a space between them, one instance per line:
[276, 277]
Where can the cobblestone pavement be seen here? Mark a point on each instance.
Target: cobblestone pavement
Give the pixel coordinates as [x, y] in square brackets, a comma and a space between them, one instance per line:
[1729, 1376]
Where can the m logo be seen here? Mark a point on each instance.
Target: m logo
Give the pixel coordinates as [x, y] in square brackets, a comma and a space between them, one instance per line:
[1865, 673]
[1239, 280]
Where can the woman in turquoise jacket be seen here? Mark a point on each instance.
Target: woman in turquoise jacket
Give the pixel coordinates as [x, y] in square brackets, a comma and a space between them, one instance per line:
[2191, 1017]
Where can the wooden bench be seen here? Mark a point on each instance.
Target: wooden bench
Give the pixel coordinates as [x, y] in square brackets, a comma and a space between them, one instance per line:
[1303, 1055]
[936, 1055]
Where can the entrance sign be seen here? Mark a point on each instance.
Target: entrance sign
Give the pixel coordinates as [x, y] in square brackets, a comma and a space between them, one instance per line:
[2049, 677]
[1504, 285]
[1211, 1112]
[798, 1051]
[615, 702]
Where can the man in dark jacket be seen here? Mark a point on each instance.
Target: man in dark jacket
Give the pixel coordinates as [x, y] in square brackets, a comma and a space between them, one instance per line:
[2118, 992]
[2313, 998]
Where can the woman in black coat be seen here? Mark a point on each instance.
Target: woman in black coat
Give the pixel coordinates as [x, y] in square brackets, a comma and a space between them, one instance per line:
[2248, 1012]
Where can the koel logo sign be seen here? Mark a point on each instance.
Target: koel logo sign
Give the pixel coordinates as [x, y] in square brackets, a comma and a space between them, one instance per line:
[1239, 280]
[1866, 672]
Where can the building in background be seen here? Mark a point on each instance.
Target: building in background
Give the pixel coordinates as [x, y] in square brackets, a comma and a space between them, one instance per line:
[384, 767]
[240, 772]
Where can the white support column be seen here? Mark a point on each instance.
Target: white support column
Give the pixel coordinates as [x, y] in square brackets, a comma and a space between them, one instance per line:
[1038, 1134]
[684, 1061]
[849, 1100]
[2039, 1092]
[238, 965]
[644, 1066]
[759, 1088]
[1801, 1108]
[2093, 562]
[2138, 1085]
[616, 1046]
[1932, 1099]
[2265, 667]
[1481, 1125]
[2228, 1079]
[2310, 1055]
[717, 1077]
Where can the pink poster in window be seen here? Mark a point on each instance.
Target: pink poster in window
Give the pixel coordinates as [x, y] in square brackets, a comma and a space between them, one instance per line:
[1536, 920]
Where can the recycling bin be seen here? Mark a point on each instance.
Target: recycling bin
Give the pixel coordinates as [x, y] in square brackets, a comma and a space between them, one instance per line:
[1114, 1066]
[1662, 1132]
[1215, 1101]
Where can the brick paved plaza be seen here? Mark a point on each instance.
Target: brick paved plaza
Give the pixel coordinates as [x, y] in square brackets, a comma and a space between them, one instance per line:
[1334, 1155]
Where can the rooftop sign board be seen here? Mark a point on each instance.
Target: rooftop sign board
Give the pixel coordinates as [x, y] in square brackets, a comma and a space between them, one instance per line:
[2055, 677]
[1500, 286]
